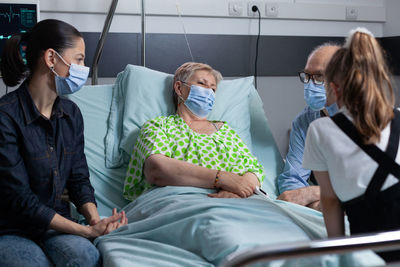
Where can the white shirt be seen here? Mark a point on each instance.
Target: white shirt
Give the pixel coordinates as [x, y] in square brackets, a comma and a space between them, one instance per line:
[350, 169]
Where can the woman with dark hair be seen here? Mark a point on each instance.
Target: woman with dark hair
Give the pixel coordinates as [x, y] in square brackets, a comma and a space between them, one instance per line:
[42, 153]
[354, 154]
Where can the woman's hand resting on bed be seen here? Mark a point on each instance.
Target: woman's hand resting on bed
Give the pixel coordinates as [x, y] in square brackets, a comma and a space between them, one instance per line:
[241, 185]
[109, 224]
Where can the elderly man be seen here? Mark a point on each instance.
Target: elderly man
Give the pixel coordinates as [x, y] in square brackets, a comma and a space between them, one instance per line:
[295, 183]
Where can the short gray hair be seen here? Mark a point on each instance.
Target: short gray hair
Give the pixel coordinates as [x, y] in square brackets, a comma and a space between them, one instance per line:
[186, 70]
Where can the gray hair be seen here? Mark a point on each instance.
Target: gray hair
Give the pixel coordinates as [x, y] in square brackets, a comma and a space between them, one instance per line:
[184, 72]
[326, 44]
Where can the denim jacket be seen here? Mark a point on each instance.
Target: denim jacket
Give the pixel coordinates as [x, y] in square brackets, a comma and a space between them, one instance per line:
[39, 158]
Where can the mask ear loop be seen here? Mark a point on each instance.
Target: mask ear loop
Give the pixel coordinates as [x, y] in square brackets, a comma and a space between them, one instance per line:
[52, 69]
[69, 65]
[180, 97]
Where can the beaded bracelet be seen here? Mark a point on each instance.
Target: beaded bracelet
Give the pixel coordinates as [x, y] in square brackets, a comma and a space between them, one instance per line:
[216, 179]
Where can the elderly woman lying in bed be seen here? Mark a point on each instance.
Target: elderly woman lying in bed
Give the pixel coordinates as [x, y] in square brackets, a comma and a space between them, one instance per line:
[188, 150]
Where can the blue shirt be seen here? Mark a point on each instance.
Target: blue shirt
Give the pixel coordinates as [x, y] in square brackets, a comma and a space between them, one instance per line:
[39, 158]
[294, 176]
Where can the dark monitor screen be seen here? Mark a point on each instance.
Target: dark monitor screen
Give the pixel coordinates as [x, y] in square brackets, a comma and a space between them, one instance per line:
[16, 18]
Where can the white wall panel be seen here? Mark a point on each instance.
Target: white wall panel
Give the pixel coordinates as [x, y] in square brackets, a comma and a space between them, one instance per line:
[296, 17]
[219, 8]
[89, 6]
[94, 22]
[392, 25]
[197, 25]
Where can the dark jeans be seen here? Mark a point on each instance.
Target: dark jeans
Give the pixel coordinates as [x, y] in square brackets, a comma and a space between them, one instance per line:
[53, 249]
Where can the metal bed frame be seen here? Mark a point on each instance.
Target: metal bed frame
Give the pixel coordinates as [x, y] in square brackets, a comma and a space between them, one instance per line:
[104, 33]
[379, 241]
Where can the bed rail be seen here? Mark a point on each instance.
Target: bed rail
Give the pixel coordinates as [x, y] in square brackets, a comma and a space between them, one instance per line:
[104, 33]
[100, 44]
[379, 241]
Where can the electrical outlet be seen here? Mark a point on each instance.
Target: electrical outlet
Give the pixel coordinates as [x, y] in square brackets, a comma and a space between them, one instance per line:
[271, 10]
[235, 9]
[351, 13]
[250, 12]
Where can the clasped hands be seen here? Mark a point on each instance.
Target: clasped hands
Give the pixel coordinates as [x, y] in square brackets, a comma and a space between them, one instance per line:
[105, 226]
[235, 186]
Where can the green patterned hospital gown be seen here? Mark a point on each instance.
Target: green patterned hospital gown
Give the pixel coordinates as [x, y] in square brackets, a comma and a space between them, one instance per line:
[172, 137]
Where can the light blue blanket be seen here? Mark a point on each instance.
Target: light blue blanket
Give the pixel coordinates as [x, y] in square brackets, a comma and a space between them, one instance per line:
[182, 226]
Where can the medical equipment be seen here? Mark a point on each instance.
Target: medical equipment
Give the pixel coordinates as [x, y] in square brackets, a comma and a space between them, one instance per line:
[17, 17]
[178, 10]
[254, 8]
[261, 192]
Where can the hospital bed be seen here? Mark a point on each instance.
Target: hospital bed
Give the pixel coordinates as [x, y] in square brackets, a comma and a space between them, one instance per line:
[181, 226]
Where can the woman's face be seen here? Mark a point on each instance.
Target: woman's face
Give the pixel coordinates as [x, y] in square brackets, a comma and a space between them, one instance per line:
[74, 55]
[334, 93]
[201, 78]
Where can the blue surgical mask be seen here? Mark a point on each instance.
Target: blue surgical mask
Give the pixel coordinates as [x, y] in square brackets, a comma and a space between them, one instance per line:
[314, 95]
[332, 109]
[77, 78]
[200, 101]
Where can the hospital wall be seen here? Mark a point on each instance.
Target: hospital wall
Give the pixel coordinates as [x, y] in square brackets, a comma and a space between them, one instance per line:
[228, 42]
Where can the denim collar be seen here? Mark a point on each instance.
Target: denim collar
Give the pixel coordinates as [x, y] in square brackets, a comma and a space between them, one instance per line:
[30, 111]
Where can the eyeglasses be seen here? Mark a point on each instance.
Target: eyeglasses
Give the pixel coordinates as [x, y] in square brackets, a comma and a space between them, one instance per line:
[305, 77]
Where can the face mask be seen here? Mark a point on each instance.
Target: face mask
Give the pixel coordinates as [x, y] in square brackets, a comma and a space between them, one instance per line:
[332, 109]
[200, 101]
[314, 95]
[77, 78]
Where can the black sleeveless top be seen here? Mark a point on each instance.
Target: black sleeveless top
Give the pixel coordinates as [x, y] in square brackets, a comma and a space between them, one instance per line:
[375, 210]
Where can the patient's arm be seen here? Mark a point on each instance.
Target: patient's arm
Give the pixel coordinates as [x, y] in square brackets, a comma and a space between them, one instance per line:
[162, 171]
[303, 196]
[330, 204]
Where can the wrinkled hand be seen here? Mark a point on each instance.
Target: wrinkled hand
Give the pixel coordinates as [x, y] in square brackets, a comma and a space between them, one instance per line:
[109, 224]
[302, 196]
[316, 205]
[224, 194]
[241, 185]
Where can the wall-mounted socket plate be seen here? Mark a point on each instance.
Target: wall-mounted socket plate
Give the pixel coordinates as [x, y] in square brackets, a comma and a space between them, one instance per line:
[250, 12]
[271, 10]
[351, 13]
[235, 9]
